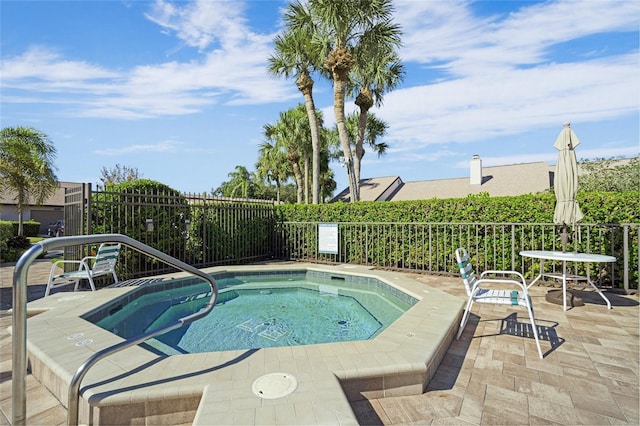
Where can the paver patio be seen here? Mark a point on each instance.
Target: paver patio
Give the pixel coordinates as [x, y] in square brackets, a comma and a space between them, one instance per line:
[590, 373]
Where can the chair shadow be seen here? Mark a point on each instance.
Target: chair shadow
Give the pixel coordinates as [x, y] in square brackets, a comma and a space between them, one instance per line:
[547, 333]
[449, 369]
[511, 326]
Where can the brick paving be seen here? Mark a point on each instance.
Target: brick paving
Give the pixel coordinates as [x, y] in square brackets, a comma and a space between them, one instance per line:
[589, 375]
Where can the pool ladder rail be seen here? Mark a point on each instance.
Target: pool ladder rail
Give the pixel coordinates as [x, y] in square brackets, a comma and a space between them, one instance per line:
[19, 382]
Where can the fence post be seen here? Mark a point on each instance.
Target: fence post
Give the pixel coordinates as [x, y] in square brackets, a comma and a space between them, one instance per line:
[87, 196]
[625, 243]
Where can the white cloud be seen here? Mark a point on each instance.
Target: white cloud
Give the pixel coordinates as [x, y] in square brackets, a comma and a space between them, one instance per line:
[447, 36]
[231, 71]
[38, 63]
[203, 22]
[480, 107]
[166, 146]
[499, 78]
[166, 89]
[487, 91]
[550, 157]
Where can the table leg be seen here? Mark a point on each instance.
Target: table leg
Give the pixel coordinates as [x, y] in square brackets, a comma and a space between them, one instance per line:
[564, 285]
[539, 276]
[598, 290]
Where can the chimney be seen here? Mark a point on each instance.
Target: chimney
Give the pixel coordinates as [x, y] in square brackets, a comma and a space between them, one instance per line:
[476, 170]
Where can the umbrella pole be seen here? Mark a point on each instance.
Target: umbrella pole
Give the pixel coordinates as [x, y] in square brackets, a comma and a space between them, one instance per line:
[564, 238]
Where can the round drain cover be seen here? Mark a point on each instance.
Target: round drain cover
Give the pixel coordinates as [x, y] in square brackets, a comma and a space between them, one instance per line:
[274, 385]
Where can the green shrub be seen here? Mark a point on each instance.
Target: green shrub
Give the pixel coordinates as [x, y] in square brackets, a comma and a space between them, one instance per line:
[402, 245]
[598, 207]
[18, 242]
[30, 228]
[11, 248]
[124, 208]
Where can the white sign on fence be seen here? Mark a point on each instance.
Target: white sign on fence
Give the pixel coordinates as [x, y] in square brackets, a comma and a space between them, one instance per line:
[328, 238]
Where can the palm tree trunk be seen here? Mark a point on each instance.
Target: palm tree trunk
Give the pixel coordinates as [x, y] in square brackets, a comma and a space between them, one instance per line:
[299, 183]
[339, 90]
[306, 180]
[22, 200]
[315, 144]
[20, 224]
[362, 127]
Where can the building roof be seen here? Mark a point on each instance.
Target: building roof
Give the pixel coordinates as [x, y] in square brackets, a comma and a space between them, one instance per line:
[373, 189]
[57, 199]
[515, 179]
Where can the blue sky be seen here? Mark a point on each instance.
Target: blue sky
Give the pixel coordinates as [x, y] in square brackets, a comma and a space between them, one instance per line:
[179, 90]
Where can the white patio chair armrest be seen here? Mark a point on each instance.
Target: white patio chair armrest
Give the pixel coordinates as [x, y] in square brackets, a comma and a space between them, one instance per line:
[522, 286]
[86, 260]
[57, 262]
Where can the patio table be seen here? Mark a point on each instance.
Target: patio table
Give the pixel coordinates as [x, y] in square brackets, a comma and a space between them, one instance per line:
[564, 258]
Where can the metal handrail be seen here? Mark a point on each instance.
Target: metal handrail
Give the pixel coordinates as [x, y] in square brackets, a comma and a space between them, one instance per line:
[19, 382]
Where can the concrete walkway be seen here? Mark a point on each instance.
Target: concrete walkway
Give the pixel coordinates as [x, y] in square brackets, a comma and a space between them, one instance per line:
[590, 373]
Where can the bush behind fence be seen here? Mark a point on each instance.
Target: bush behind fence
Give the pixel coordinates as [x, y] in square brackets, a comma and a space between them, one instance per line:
[430, 247]
[207, 231]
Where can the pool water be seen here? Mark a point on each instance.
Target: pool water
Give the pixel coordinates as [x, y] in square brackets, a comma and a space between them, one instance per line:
[257, 313]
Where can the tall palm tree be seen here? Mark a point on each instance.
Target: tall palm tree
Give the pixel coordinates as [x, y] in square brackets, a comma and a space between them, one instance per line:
[375, 128]
[26, 167]
[371, 79]
[348, 32]
[296, 56]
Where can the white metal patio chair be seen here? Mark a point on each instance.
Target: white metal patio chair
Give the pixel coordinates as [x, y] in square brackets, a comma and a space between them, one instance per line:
[90, 267]
[478, 291]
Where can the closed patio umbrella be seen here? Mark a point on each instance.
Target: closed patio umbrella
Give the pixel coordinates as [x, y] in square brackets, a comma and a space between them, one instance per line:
[565, 182]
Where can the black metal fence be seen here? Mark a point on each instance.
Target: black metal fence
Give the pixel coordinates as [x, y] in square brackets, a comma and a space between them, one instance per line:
[207, 231]
[202, 231]
[430, 247]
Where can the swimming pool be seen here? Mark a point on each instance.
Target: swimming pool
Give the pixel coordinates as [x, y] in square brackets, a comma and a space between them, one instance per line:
[218, 387]
[257, 311]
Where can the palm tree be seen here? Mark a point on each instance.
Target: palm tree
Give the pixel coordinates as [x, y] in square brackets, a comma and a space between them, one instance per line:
[371, 79]
[327, 181]
[273, 166]
[26, 167]
[375, 128]
[240, 185]
[348, 32]
[296, 56]
[292, 135]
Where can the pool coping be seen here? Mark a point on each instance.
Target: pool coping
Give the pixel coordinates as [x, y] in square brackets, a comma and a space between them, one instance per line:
[216, 387]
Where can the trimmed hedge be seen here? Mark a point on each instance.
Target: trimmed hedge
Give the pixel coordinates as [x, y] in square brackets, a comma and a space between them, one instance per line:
[598, 207]
[380, 245]
[31, 228]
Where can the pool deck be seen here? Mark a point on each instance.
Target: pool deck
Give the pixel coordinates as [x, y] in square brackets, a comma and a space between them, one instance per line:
[589, 374]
